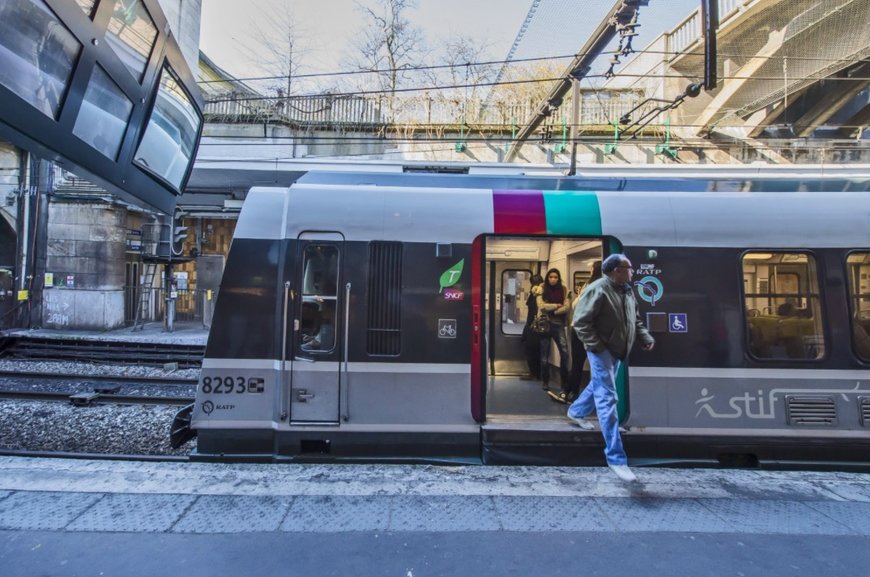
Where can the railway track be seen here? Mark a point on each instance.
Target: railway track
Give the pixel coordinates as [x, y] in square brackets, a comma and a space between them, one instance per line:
[87, 399]
[184, 356]
[55, 378]
[84, 390]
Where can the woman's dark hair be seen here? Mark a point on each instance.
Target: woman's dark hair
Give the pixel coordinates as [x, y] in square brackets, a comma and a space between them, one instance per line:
[554, 294]
[596, 271]
[536, 279]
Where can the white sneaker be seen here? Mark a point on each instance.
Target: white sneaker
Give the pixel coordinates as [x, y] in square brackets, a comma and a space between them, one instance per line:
[582, 423]
[623, 472]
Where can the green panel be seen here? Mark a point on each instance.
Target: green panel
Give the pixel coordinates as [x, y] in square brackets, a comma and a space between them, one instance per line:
[572, 213]
[620, 392]
[613, 245]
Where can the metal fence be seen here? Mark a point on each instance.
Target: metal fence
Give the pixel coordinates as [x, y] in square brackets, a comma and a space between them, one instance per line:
[689, 30]
[190, 304]
[380, 111]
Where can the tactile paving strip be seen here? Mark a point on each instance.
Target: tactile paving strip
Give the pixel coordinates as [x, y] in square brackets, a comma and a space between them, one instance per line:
[550, 514]
[443, 513]
[632, 515]
[326, 513]
[48, 510]
[853, 515]
[234, 514]
[774, 517]
[135, 513]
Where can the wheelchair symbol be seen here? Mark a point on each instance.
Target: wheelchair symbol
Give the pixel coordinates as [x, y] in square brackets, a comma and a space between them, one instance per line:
[678, 323]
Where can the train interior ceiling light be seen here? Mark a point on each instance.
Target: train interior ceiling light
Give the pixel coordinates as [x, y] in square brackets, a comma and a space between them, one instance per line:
[101, 88]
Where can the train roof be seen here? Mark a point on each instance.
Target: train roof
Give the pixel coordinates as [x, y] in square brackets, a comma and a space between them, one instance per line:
[774, 209]
[644, 178]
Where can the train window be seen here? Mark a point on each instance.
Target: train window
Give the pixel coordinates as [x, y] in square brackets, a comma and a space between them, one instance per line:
[581, 279]
[132, 35]
[319, 297]
[515, 287]
[37, 54]
[383, 334]
[858, 271]
[783, 309]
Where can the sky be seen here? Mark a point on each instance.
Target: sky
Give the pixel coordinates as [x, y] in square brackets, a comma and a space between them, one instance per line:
[325, 28]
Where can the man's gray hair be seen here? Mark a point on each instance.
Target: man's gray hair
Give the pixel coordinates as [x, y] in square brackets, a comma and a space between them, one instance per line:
[610, 263]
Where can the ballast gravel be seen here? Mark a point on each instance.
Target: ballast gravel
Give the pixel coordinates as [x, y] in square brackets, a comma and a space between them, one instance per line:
[94, 369]
[107, 429]
[100, 428]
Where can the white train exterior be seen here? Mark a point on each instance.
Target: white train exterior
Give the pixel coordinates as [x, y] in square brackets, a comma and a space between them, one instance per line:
[380, 316]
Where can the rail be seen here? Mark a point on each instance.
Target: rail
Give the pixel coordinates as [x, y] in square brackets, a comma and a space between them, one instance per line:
[114, 352]
[88, 399]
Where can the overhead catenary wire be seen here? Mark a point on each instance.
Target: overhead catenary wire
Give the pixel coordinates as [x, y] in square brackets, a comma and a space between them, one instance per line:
[388, 70]
[351, 94]
[332, 140]
[512, 62]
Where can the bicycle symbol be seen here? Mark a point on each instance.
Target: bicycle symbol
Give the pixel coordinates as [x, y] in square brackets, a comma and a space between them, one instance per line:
[447, 328]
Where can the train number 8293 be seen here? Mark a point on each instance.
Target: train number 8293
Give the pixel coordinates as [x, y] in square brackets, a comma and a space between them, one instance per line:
[226, 385]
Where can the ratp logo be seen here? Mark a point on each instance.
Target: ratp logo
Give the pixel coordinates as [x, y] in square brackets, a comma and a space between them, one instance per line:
[650, 289]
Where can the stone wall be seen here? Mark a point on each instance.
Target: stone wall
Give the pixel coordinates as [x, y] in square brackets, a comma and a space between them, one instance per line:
[85, 263]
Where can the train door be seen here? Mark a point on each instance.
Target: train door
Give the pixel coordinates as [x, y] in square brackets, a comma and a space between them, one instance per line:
[510, 288]
[513, 389]
[315, 348]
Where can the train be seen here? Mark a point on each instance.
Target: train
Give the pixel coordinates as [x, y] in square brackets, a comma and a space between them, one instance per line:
[381, 316]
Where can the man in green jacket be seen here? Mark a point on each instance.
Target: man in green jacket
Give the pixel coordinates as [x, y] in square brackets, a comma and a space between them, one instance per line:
[607, 322]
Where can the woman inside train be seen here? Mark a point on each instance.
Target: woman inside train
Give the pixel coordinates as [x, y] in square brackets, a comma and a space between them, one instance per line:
[554, 300]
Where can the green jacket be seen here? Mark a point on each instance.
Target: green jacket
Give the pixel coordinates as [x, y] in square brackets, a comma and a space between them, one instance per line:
[606, 317]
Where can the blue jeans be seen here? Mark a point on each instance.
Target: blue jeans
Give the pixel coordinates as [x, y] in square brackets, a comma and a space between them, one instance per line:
[601, 395]
[557, 334]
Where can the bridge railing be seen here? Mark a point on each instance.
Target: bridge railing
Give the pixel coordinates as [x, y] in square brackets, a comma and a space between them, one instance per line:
[690, 29]
[380, 111]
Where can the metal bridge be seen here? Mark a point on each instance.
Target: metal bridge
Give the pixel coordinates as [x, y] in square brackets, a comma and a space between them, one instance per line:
[789, 70]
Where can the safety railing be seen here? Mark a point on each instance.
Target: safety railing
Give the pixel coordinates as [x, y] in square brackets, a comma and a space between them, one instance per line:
[689, 30]
[416, 110]
[190, 304]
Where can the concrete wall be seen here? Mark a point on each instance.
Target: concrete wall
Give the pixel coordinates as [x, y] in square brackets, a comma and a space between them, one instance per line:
[266, 141]
[86, 256]
[83, 309]
[184, 20]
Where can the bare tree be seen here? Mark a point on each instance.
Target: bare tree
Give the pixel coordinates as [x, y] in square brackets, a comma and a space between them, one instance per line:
[389, 44]
[464, 72]
[523, 87]
[278, 50]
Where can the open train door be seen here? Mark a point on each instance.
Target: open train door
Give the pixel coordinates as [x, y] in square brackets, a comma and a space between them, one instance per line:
[315, 335]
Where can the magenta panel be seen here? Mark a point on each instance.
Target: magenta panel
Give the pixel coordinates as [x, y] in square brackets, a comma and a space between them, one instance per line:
[519, 212]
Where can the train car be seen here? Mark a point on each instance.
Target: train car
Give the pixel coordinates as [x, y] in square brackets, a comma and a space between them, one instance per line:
[382, 316]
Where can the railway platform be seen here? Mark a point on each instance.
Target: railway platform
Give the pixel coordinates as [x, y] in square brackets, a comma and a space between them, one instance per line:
[183, 333]
[87, 517]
